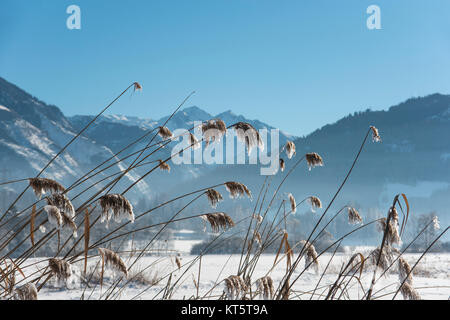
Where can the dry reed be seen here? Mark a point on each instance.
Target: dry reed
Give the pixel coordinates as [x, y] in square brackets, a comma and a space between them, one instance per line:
[63, 203]
[237, 189]
[353, 216]
[293, 203]
[60, 269]
[214, 197]
[165, 133]
[315, 203]
[218, 220]
[290, 149]
[265, 287]
[213, 130]
[54, 216]
[249, 135]
[313, 160]
[26, 292]
[112, 260]
[164, 166]
[117, 206]
[375, 134]
[235, 287]
[43, 185]
[282, 164]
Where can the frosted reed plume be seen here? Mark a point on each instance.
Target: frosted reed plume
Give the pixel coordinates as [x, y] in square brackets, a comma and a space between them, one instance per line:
[259, 218]
[43, 185]
[68, 223]
[113, 261]
[235, 287]
[386, 257]
[63, 203]
[311, 255]
[392, 235]
[408, 292]
[265, 287]
[26, 292]
[218, 221]
[237, 189]
[436, 225]
[193, 141]
[282, 165]
[315, 203]
[61, 269]
[404, 271]
[178, 262]
[353, 216]
[313, 160]
[258, 238]
[214, 197]
[375, 134]
[293, 203]
[290, 149]
[165, 133]
[249, 135]
[164, 166]
[116, 206]
[213, 130]
[54, 216]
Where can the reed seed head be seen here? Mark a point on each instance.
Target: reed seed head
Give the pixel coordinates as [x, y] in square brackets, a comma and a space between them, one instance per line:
[178, 262]
[353, 216]
[165, 133]
[117, 206]
[436, 225]
[392, 235]
[311, 255]
[375, 134]
[113, 261]
[68, 223]
[26, 292]
[61, 201]
[282, 164]
[235, 287]
[237, 189]
[60, 269]
[404, 271]
[290, 149]
[259, 218]
[214, 197]
[193, 142]
[265, 287]
[43, 185]
[213, 130]
[386, 257]
[408, 292]
[315, 203]
[313, 160]
[293, 203]
[54, 216]
[164, 166]
[137, 86]
[249, 135]
[218, 220]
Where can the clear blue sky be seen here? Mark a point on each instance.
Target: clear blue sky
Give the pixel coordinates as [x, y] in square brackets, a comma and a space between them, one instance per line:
[294, 64]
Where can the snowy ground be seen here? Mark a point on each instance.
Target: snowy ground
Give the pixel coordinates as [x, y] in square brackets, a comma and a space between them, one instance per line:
[431, 279]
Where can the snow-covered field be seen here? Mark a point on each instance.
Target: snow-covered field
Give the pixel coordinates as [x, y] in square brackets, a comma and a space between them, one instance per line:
[431, 278]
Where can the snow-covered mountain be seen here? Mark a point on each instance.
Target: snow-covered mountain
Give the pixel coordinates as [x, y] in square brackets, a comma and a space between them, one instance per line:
[115, 131]
[32, 132]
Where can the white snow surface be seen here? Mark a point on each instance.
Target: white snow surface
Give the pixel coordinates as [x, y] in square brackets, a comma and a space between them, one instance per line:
[431, 278]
